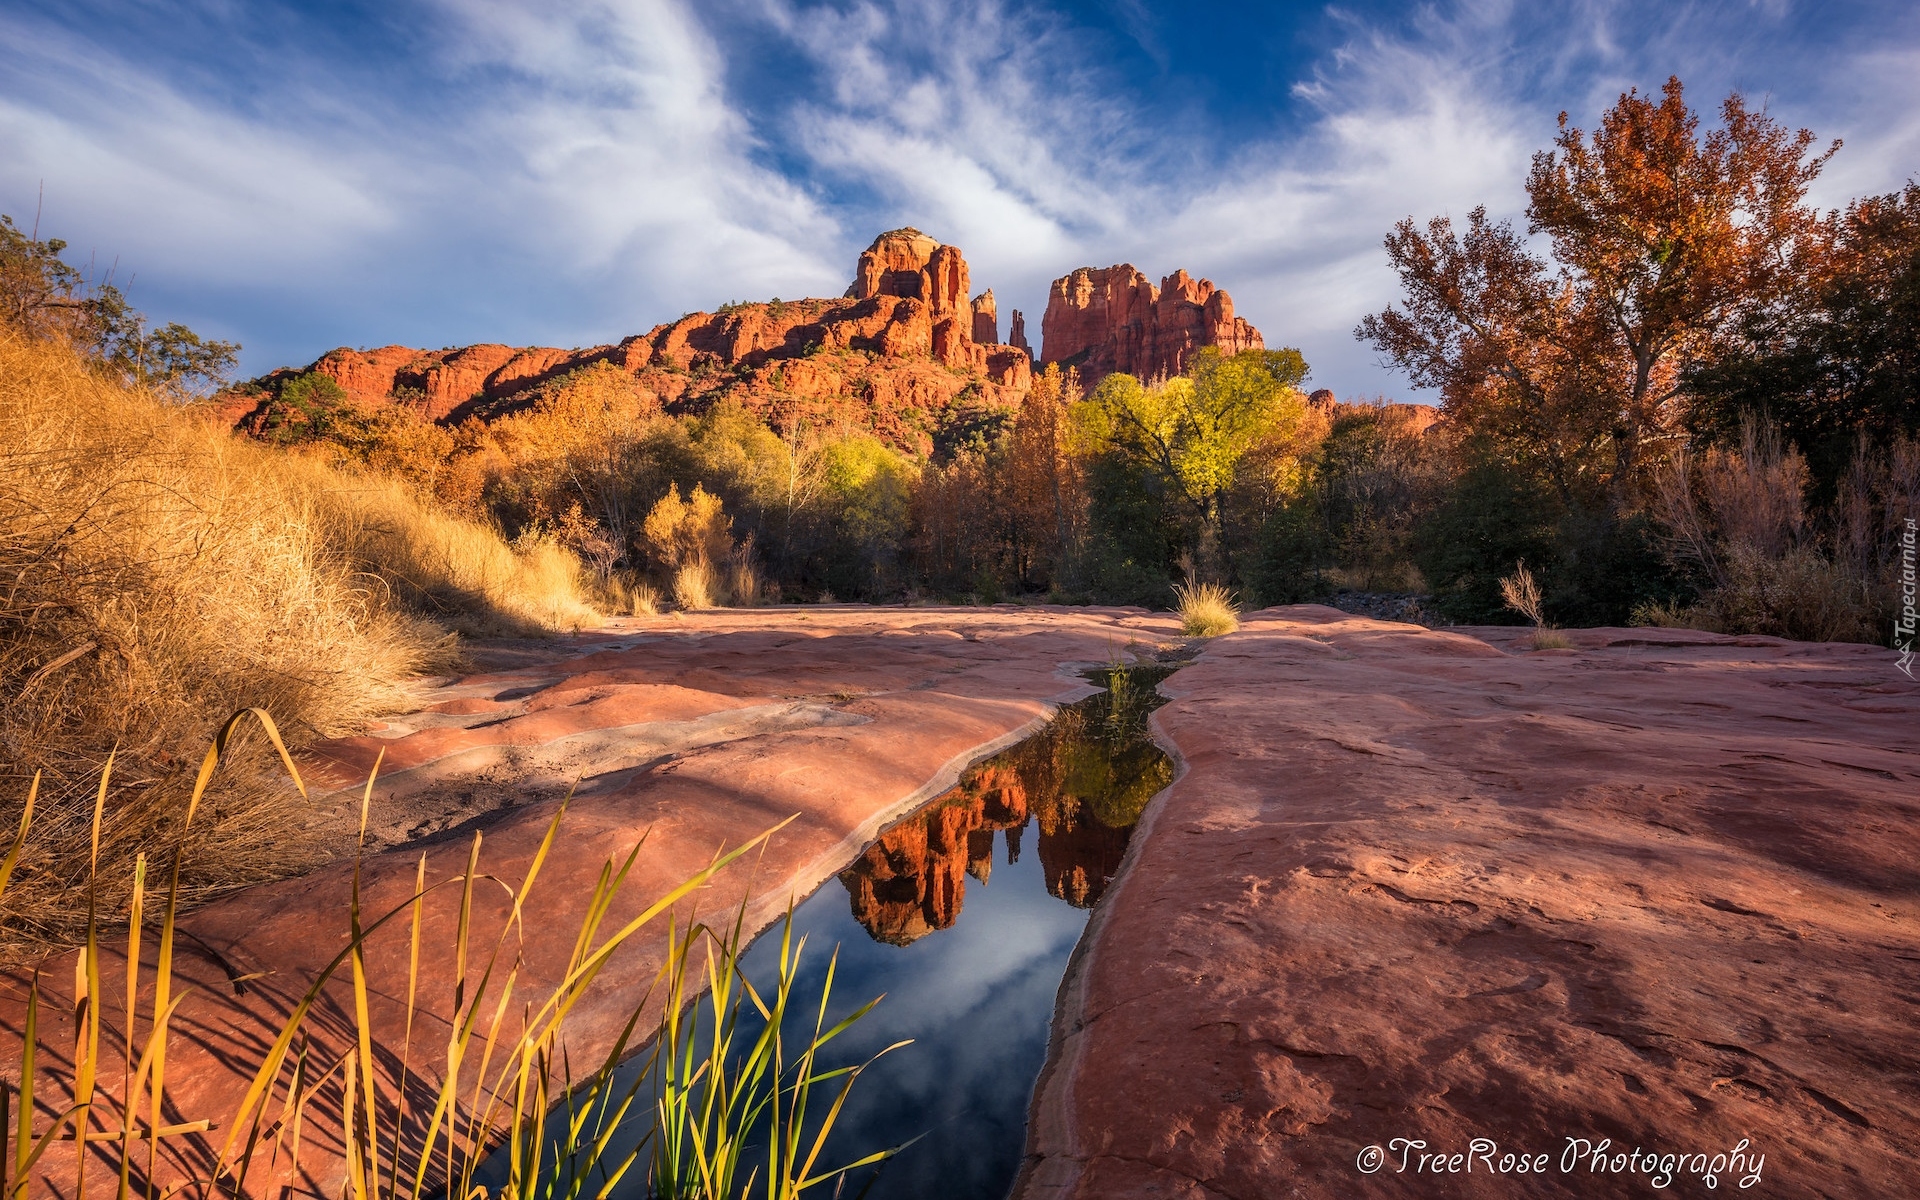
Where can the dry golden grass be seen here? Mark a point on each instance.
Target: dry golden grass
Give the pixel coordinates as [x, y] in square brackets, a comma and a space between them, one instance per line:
[1206, 610]
[627, 595]
[161, 574]
[696, 585]
[743, 581]
[461, 572]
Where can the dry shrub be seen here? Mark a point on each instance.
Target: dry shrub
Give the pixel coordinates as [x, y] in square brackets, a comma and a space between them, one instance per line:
[1739, 516]
[743, 579]
[694, 539]
[628, 595]
[1206, 609]
[160, 574]
[1800, 595]
[1522, 594]
[680, 531]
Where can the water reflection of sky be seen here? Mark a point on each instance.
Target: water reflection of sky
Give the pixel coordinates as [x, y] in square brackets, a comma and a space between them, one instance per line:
[969, 969]
[977, 999]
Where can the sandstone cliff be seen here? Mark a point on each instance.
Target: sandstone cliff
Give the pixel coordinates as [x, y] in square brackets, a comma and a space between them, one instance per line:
[1103, 320]
[893, 354]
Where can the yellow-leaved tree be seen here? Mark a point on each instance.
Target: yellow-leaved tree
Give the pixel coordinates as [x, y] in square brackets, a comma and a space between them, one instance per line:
[1188, 436]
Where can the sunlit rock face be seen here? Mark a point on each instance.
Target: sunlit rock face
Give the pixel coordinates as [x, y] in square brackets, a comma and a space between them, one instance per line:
[1018, 337]
[1103, 320]
[902, 344]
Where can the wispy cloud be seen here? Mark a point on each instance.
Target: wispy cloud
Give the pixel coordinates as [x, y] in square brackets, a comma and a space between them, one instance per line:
[518, 173]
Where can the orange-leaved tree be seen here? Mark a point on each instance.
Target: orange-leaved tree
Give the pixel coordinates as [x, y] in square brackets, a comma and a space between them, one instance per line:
[1661, 238]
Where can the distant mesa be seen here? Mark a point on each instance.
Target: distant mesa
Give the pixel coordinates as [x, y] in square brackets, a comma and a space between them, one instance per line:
[1415, 418]
[904, 345]
[1102, 320]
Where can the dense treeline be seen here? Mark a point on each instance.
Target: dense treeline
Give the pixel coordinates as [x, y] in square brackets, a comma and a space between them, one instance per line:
[1697, 406]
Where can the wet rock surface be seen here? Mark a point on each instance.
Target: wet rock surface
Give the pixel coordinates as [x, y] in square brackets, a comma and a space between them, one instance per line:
[1656, 890]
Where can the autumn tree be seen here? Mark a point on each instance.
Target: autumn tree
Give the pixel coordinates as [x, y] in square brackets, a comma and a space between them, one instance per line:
[1185, 438]
[1838, 358]
[1661, 238]
[1043, 492]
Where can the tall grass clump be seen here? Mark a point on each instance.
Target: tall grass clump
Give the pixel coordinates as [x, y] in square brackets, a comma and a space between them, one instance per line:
[696, 585]
[487, 1109]
[158, 574]
[1206, 609]
[462, 573]
[1521, 593]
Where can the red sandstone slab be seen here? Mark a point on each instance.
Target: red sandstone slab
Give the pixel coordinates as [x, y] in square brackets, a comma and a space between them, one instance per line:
[913, 696]
[1658, 889]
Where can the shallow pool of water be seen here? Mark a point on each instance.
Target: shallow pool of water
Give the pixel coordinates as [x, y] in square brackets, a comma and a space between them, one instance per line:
[964, 915]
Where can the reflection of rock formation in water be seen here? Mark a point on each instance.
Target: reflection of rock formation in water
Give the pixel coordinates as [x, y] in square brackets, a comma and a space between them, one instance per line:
[1081, 859]
[1083, 781]
[913, 880]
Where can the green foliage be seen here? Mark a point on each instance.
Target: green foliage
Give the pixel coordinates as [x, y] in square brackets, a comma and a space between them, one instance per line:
[867, 489]
[1134, 536]
[39, 294]
[1491, 518]
[1185, 438]
[308, 408]
[43, 297]
[1292, 554]
[172, 356]
[1608, 566]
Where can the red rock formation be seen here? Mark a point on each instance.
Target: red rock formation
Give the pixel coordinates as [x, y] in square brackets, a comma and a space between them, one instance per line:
[1018, 337]
[905, 336]
[1415, 418]
[1113, 319]
[986, 319]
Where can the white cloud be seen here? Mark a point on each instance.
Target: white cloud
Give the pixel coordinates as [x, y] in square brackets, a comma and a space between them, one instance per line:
[595, 181]
[187, 188]
[574, 176]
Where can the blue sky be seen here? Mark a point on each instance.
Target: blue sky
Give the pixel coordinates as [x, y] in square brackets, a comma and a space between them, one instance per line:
[439, 172]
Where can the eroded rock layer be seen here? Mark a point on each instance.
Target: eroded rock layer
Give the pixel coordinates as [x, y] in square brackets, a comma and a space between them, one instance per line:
[902, 345]
[1104, 320]
[1656, 891]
